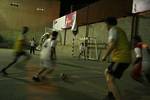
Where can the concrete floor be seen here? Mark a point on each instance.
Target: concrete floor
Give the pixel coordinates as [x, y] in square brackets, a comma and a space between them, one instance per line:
[86, 81]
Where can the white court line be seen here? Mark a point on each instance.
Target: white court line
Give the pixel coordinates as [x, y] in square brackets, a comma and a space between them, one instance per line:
[1, 79]
[10, 77]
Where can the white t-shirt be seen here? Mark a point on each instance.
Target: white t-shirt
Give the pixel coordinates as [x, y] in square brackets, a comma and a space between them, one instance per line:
[138, 52]
[112, 34]
[46, 53]
[32, 43]
[53, 43]
[82, 48]
[46, 50]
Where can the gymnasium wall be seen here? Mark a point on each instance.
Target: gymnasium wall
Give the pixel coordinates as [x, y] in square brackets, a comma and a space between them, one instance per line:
[144, 28]
[93, 15]
[12, 18]
[97, 30]
[99, 10]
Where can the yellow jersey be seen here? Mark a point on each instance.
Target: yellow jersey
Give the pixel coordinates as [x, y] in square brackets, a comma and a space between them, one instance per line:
[121, 52]
[20, 44]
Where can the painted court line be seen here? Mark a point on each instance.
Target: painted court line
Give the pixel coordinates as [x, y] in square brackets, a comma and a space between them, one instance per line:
[1, 79]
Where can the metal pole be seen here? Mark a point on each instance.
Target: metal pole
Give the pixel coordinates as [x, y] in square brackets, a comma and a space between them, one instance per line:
[134, 27]
[87, 33]
[65, 37]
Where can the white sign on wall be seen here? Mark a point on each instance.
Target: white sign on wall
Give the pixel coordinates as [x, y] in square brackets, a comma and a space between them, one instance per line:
[59, 24]
[140, 6]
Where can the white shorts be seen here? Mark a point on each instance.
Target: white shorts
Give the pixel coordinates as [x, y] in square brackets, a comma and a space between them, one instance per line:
[48, 64]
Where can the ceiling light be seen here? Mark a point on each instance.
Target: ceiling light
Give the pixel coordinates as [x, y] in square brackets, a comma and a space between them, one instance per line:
[15, 4]
[40, 9]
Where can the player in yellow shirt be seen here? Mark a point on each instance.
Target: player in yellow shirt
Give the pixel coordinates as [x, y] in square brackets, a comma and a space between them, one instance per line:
[119, 49]
[19, 49]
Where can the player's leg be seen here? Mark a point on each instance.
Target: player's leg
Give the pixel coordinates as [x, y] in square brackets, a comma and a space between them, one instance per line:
[31, 50]
[10, 64]
[50, 66]
[114, 71]
[112, 87]
[26, 55]
[46, 72]
[37, 77]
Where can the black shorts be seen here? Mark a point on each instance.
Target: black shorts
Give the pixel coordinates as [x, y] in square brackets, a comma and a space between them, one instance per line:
[22, 53]
[117, 69]
[138, 60]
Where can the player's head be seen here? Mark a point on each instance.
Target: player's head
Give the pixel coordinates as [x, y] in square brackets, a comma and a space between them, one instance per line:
[136, 39]
[54, 34]
[25, 29]
[111, 21]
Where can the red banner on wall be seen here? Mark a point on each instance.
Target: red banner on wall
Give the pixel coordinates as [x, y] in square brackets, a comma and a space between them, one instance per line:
[70, 18]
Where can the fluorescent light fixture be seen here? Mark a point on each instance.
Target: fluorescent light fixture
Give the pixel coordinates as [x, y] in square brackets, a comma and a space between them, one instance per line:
[15, 4]
[40, 9]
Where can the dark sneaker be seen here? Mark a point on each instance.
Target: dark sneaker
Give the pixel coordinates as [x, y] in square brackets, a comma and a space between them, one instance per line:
[35, 78]
[63, 76]
[3, 71]
[109, 97]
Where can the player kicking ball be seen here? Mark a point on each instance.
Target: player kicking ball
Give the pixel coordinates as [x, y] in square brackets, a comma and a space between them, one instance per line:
[47, 57]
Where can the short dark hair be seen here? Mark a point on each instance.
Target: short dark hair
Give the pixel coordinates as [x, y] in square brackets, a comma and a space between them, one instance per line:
[25, 29]
[54, 33]
[111, 20]
[137, 38]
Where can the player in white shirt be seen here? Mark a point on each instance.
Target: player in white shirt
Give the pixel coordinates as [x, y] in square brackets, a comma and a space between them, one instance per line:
[32, 46]
[48, 62]
[82, 50]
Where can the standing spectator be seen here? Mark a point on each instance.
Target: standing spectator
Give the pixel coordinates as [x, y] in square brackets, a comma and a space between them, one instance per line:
[141, 69]
[119, 48]
[47, 57]
[32, 46]
[82, 50]
[137, 66]
[146, 61]
[19, 49]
